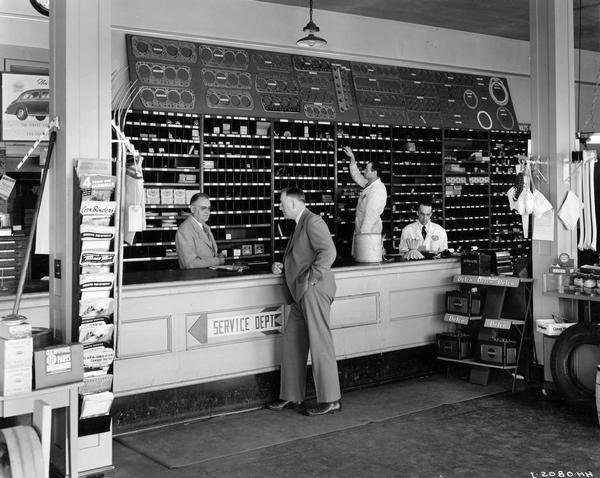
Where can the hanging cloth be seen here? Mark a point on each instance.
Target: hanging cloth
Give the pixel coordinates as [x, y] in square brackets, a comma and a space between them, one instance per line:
[134, 204]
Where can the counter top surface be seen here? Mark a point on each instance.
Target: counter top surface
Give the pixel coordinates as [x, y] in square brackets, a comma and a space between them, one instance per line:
[261, 270]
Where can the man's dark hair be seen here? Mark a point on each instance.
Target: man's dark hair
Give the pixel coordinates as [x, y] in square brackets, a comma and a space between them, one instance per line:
[376, 166]
[294, 192]
[424, 202]
[197, 196]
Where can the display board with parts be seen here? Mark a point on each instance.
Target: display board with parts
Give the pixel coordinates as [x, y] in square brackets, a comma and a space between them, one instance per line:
[183, 76]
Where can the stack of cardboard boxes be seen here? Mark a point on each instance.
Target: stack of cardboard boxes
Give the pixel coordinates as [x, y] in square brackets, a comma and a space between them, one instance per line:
[16, 357]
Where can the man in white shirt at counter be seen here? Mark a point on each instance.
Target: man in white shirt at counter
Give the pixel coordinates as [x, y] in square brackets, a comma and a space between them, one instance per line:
[431, 236]
[373, 197]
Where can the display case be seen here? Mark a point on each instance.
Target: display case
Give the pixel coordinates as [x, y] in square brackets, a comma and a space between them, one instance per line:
[466, 188]
[303, 156]
[236, 172]
[417, 173]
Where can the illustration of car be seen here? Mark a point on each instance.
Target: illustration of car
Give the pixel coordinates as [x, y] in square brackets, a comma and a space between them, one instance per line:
[31, 102]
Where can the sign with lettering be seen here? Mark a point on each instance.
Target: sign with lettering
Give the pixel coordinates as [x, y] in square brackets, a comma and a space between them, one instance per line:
[497, 323]
[25, 106]
[58, 360]
[215, 326]
[502, 281]
[456, 319]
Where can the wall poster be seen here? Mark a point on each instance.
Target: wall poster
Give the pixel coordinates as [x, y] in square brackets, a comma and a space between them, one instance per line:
[25, 106]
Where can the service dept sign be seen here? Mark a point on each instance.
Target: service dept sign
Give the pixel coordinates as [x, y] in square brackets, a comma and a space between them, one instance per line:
[230, 325]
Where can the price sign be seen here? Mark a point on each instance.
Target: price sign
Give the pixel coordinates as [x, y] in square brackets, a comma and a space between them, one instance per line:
[497, 323]
[456, 319]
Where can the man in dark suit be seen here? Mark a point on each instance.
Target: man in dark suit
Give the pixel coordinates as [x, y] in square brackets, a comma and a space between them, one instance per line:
[311, 284]
[196, 246]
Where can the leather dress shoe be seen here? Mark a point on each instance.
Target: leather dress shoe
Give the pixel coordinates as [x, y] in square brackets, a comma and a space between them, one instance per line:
[324, 408]
[281, 404]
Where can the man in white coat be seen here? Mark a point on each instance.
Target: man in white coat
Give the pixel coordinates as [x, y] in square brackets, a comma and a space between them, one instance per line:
[373, 197]
[431, 236]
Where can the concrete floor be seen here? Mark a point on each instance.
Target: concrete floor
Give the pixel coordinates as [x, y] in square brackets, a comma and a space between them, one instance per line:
[437, 426]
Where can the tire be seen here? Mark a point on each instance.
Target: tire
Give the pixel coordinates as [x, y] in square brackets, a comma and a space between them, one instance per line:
[24, 452]
[21, 113]
[567, 383]
[40, 117]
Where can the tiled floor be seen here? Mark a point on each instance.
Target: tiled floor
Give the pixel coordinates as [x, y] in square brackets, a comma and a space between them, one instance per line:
[438, 427]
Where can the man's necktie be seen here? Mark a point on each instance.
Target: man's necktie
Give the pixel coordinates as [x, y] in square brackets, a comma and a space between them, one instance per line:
[424, 232]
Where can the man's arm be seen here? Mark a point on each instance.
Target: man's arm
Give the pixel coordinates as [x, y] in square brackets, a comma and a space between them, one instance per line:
[357, 177]
[186, 250]
[321, 242]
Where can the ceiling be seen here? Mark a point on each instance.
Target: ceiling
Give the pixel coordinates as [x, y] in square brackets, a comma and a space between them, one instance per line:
[504, 18]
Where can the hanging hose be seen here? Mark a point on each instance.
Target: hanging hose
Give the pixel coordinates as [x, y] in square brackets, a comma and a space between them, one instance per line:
[27, 257]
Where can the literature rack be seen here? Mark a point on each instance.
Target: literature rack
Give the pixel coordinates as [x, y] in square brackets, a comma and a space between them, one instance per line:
[303, 156]
[95, 271]
[236, 171]
[467, 188]
[170, 146]
[369, 142]
[416, 175]
[506, 229]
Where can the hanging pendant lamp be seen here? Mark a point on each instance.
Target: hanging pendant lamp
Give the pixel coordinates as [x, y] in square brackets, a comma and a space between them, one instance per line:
[311, 28]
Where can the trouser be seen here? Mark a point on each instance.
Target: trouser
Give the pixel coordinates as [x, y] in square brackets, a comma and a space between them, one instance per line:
[307, 327]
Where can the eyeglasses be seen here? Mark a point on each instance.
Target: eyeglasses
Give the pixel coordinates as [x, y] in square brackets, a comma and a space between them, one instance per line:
[202, 208]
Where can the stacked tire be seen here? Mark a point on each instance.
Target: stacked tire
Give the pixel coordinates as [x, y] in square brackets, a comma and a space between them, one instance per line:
[576, 389]
[22, 446]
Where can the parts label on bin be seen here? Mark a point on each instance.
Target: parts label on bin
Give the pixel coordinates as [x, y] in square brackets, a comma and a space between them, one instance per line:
[58, 360]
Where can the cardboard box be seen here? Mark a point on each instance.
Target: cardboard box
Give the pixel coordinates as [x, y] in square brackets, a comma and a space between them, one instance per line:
[57, 365]
[179, 196]
[15, 381]
[15, 331]
[152, 195]
[16, 353]
[166, 196]
[189, 193]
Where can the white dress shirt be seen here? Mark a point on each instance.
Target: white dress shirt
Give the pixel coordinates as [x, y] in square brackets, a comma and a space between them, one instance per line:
[436, 239]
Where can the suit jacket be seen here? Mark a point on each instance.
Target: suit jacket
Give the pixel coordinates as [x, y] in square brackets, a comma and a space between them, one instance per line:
[309, 256]
[195, 247]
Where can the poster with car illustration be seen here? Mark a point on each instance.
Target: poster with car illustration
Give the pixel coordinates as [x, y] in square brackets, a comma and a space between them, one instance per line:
[25, 106]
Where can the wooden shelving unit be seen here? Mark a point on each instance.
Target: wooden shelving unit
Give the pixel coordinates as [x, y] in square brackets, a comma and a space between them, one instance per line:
[303, 156]
[417, 174]
[243, 162]
[467, 188]
[236, 172]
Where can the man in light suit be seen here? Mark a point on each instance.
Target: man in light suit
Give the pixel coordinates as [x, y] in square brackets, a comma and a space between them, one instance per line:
[311, 285]
[196, 246]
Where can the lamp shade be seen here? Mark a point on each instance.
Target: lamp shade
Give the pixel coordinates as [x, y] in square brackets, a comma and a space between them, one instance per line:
[311, 41]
